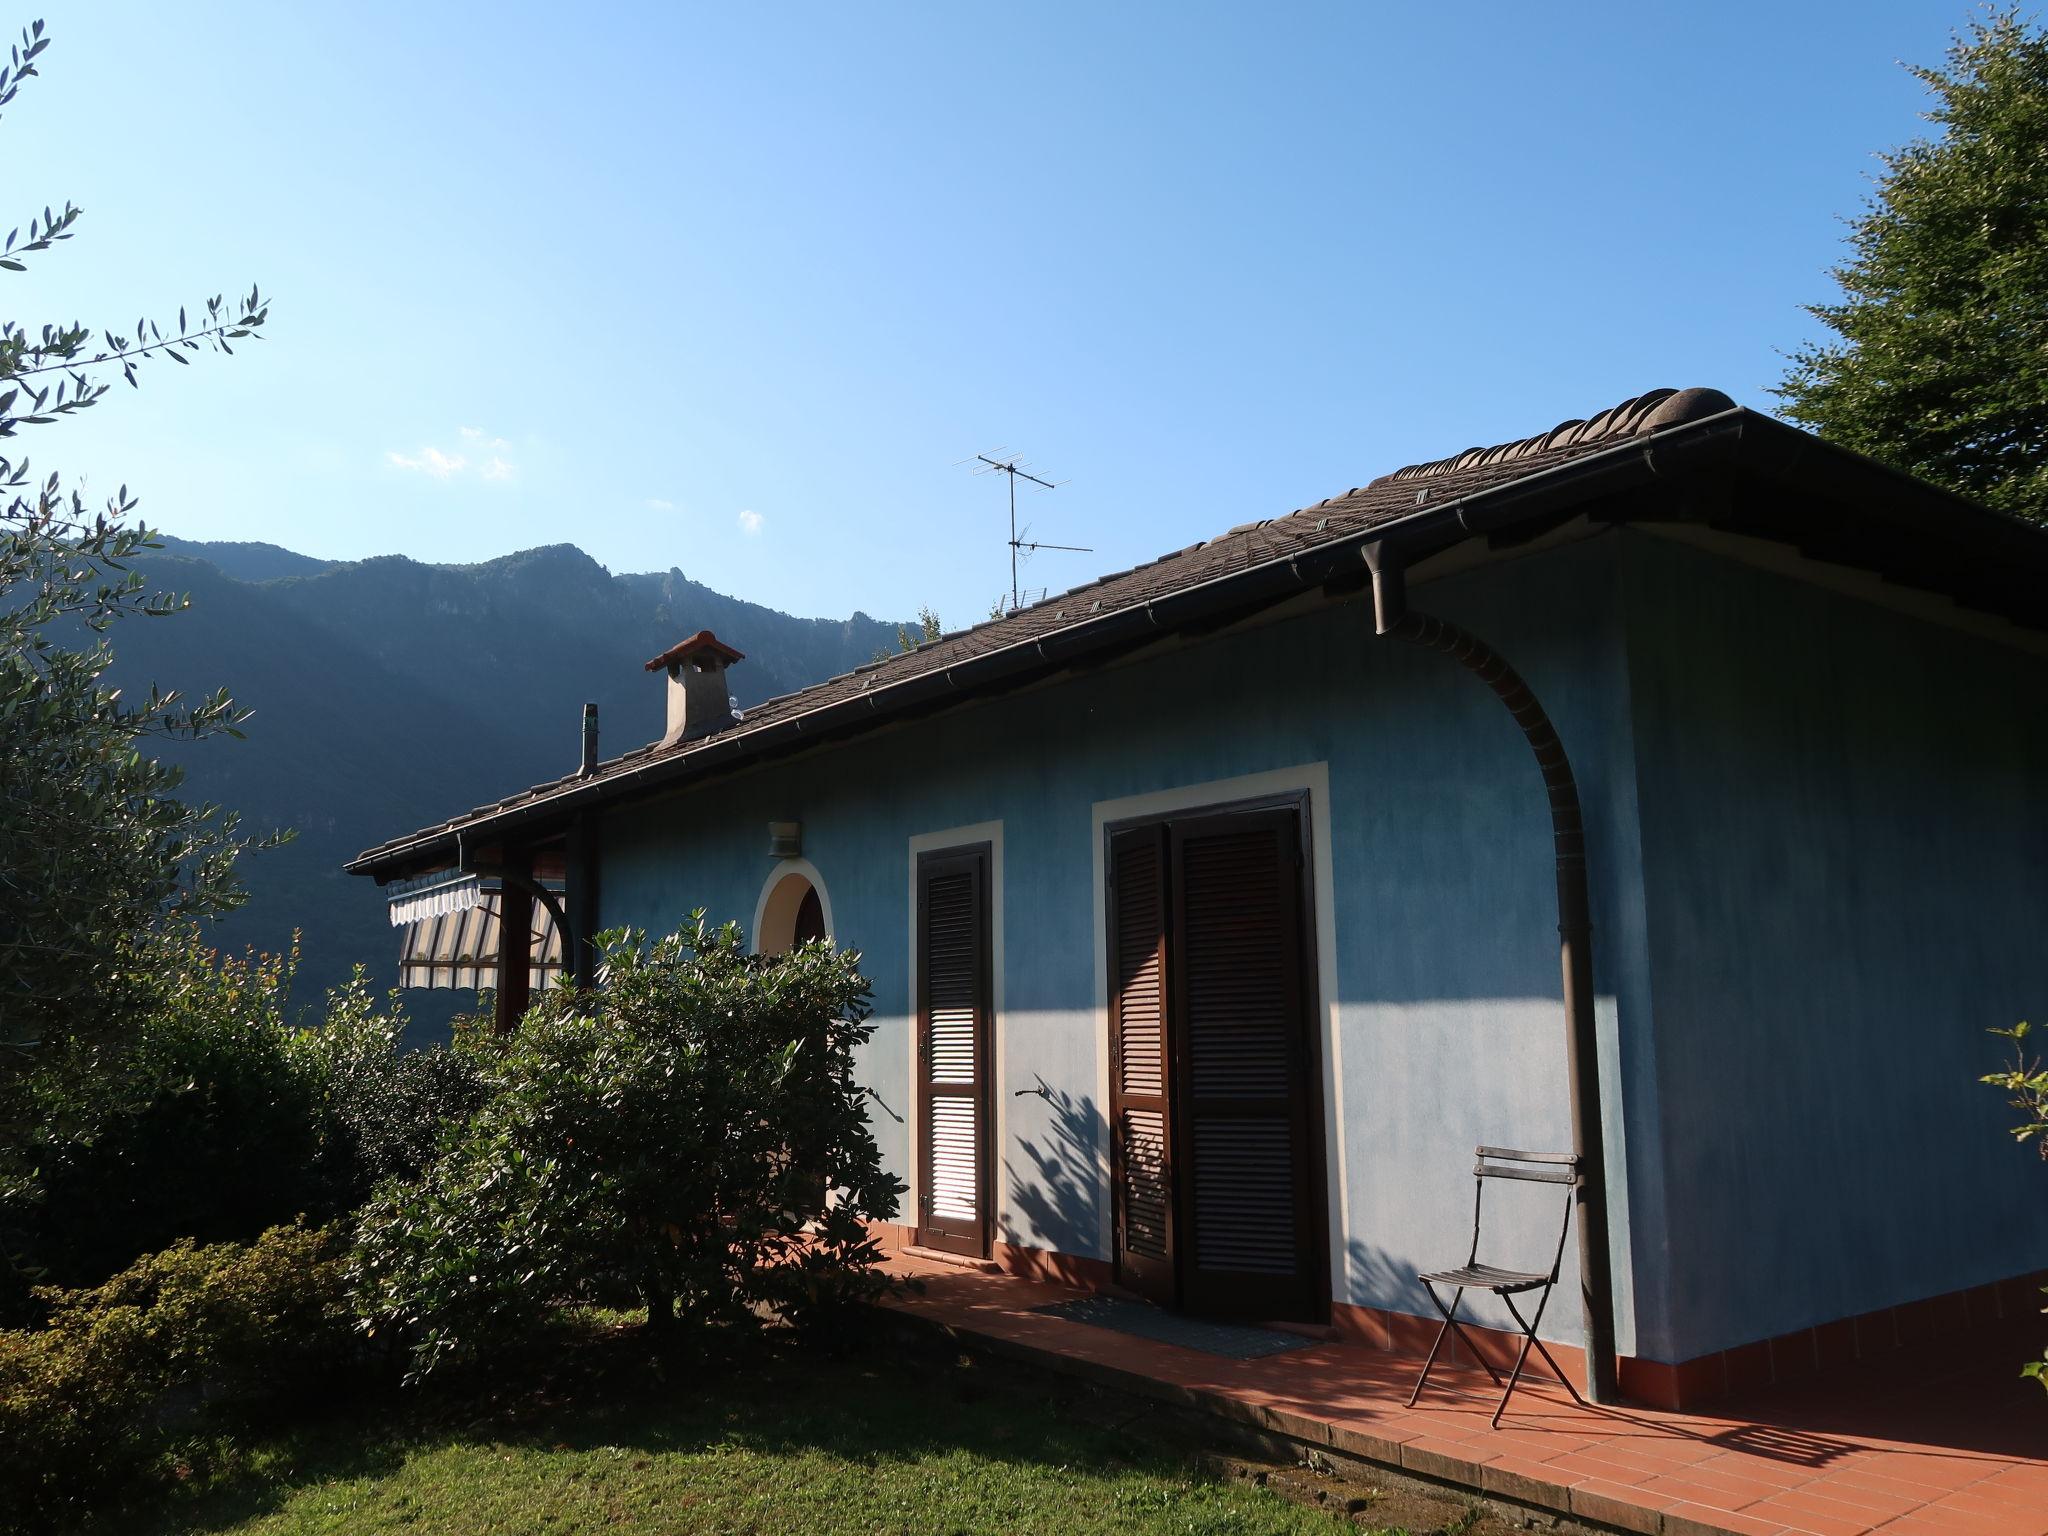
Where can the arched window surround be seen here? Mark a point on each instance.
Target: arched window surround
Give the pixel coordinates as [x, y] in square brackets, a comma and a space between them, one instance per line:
[782, 894]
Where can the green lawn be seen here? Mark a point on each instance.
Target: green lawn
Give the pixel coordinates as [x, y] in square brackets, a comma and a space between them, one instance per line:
[871, 1444]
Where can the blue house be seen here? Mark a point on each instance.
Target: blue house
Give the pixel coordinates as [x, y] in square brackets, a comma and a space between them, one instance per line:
[1670, 788]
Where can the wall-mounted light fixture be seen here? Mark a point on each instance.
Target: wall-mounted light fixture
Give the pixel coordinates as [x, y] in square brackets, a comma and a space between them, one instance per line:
[785, 839]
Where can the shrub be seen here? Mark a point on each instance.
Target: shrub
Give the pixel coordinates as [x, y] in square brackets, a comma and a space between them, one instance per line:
[383, 1108]
[82, 1398]
[220, 1119]
[207, 1125]
[666, 1137]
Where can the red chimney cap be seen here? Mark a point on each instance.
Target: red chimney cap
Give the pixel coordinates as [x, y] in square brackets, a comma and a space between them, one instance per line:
[702, 646]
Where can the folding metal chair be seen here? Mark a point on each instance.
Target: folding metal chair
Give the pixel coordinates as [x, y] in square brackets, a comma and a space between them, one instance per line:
[1507, 1284]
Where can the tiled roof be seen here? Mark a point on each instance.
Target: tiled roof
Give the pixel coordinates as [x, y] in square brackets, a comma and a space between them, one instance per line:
[1247, 545]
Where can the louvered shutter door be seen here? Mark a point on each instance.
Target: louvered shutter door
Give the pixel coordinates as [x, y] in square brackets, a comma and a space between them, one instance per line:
[1247, 1228]
[953, 1018]
[1140, 1107]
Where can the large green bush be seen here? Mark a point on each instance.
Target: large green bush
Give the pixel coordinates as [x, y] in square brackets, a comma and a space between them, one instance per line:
[217, 1119]
[666, 1138]
[205, 1126]
[382, 1108]
[83, 1397]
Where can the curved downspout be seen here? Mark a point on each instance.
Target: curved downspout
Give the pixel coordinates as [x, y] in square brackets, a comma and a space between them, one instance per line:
[1392, 616]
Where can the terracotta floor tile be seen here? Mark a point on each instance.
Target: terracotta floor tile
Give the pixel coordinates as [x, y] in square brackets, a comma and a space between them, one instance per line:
[1968, 1502]
[1758, 1469]
[1877, 1503]
[1650, 1458]
[1737, 1488]
[1837, 1511]
[1665, 1452]
[1594, 1465]
[1678, 1486]
[2023, 1477]
[1684, 1518]
[1807, 1522]
[1942, 1473]
[1875, 1477]
[2022, 1496]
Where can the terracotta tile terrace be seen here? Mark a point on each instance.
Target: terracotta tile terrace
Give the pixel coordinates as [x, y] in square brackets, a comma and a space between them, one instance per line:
[1947, 1444]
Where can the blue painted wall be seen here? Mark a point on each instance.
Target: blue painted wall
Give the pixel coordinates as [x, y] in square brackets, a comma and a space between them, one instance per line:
[1818, 833]
[1845, 855]
[1449, 1028]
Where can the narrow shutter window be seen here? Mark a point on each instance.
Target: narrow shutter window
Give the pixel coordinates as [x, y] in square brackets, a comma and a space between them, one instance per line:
[953, 1047]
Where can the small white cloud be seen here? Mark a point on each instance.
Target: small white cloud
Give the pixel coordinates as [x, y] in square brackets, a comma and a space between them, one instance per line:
[750, 522]
[448, 463]
[430, 461]
[658, 504]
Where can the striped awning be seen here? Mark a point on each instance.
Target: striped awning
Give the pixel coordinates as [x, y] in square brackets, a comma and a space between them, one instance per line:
[449, 934]
[434, 895]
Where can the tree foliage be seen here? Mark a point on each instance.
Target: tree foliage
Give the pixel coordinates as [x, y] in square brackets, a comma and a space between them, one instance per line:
[96, 849]
[2025, 1077]
[929, 628]
[1939, 365]
[668, 1138]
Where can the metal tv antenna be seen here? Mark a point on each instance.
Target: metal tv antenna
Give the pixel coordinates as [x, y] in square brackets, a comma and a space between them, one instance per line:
[1012, 467]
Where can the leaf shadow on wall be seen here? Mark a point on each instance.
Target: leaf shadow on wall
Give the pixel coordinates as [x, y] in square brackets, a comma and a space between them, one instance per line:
[1057, 1191]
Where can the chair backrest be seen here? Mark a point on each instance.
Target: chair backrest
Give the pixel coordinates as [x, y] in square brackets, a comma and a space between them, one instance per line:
[1528, 1167]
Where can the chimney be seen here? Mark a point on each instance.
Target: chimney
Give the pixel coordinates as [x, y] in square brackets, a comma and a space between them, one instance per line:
[698, 704]
[589, 740]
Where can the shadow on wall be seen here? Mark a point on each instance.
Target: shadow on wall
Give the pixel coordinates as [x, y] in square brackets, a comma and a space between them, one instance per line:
[1374, 1278]
[1059, 1195]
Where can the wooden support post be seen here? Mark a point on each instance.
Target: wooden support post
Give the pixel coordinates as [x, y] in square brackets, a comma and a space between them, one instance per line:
[515, 948]
[582, 893]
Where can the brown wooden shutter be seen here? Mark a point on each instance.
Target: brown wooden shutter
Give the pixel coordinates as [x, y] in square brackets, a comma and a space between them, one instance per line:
[1246, 1194]
[1141, 1116]
[953, 1050]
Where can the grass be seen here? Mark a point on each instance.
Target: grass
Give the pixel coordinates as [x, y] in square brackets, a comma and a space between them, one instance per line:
[880, 1442]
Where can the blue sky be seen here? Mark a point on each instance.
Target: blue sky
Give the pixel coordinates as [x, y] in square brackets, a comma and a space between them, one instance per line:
[732, 288]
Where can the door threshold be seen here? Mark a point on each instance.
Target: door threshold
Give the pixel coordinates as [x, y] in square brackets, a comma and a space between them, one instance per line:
[953, 1260]
[1321, 1331]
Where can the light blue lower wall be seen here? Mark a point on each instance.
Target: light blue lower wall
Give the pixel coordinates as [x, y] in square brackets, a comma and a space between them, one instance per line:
[1845, 853]
[1448, 1026]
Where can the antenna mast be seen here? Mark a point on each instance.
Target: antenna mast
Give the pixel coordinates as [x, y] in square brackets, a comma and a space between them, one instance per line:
[1012, 468]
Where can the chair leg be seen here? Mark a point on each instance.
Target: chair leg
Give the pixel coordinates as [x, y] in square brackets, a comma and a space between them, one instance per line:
[1521, 1358]
[1528, 1326]
[1541, 1348]
[1450, 1325]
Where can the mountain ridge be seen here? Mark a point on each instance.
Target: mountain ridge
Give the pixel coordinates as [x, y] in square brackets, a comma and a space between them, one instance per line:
[390, 693]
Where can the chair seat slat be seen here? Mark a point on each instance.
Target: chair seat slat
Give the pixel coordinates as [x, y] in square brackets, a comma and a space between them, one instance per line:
[1512, 1155]
[1531, 1175]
